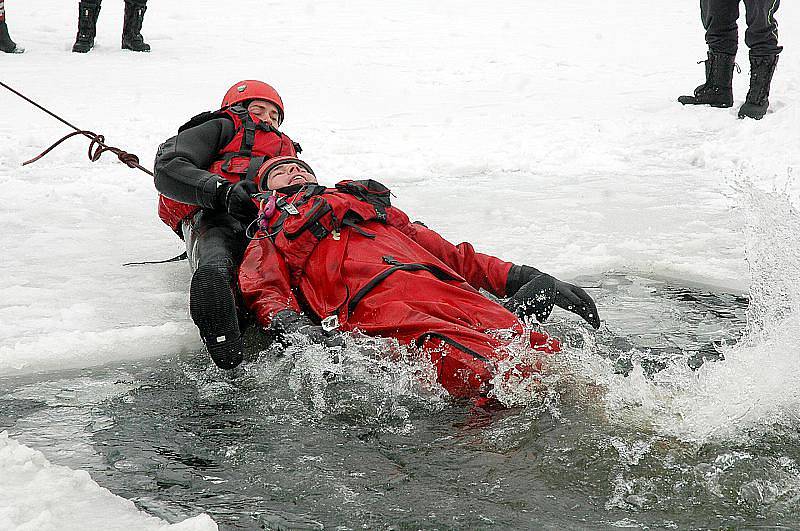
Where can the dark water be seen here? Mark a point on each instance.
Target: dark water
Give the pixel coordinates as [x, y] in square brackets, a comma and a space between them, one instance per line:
[299, 440]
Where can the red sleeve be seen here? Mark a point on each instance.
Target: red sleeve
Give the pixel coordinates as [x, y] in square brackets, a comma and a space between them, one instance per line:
[481, 271]
[264, 281]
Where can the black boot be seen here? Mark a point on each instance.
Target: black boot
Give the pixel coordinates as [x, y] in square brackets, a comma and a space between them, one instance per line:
[717, 91]
[213, 309]
[87, 26]
[131, 30]
[761, 69]
[6, 44]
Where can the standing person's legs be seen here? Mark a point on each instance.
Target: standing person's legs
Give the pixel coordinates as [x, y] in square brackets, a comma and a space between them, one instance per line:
[214, 244]
[6, 44]
[762, 39]
[719, 20]
[762, 28]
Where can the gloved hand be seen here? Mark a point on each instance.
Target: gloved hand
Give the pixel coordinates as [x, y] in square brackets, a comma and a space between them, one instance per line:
[535, 293]
[536, 298]
[236, 200]
[289, 321]
[576, 300]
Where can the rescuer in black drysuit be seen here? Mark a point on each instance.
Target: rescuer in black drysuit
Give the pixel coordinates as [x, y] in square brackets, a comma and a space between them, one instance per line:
[205, 177]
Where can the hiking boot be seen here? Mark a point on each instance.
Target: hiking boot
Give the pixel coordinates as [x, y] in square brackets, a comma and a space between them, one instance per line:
[87, 26]
[761, 69]
[213, 309]
[717, 91]
[131, 30]
[6, 44]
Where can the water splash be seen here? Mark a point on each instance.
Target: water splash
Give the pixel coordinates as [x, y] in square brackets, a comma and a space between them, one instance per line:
[371, 382]
[756, 389]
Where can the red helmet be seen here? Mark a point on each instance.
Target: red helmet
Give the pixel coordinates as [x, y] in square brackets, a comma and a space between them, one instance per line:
[270, 164]
[250, 89]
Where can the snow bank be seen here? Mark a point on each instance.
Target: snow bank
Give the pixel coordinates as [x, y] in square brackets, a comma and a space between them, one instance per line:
[38, 495]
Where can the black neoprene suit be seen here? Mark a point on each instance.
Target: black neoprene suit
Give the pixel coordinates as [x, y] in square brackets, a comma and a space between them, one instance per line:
[213, 238]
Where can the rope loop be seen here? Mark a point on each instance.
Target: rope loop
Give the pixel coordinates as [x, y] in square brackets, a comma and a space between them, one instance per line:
[97, 146]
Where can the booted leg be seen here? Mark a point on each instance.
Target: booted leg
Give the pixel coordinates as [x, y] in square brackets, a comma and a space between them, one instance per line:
[6, 44]
[761, 70]
[88, 11]
[717, 91]
[214, 243]
[132, 29]
[213, 309]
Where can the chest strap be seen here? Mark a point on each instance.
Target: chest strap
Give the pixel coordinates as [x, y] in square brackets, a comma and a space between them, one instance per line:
[383, 275]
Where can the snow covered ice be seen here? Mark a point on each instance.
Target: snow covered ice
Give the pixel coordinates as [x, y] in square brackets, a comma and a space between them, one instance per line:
[546, 135]
[35, 494]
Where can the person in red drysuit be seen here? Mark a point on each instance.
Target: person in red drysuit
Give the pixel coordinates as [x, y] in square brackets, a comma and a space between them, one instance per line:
[344, 259]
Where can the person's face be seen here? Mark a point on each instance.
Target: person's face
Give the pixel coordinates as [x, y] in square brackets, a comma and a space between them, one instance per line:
[265, 111]
[287, 175]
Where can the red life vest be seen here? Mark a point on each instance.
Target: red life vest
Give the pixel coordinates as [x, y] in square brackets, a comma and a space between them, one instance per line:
[301, 221]
[254, 141]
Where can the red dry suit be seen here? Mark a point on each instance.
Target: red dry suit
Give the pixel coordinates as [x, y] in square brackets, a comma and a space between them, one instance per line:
[253, 142]
[345, 252]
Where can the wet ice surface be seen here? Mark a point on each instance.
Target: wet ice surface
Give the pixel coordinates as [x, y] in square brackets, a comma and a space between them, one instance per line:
[306, 440]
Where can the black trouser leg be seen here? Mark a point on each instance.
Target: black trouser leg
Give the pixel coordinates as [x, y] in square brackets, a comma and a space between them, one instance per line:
[762, 29]
[215, 243]
[214, 239]
[719, 20]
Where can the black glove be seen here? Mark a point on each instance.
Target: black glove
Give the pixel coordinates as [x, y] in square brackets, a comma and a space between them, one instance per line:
[534, 293]
[576, 300]
[289, 321]
[536, 298]
[236, 200]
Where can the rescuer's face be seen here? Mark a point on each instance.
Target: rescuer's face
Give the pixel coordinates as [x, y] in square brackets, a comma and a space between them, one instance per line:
[287, 175]
[265, 111]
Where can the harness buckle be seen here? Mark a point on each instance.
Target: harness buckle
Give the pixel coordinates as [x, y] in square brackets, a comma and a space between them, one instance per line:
[330, 323]
[291, 209]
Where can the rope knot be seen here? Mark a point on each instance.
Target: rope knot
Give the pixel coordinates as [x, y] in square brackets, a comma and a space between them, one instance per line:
[129, 159]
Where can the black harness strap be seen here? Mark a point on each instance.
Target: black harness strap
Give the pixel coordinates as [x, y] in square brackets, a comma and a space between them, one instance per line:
[182, 256]
[249, 137]
[383, 275]
[227, 157]
[352, 222]
[318, 230]
[380, 212]
[252, 168]
[456, 344]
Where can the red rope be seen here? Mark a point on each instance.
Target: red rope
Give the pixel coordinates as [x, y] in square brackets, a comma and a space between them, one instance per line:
[97, 146]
